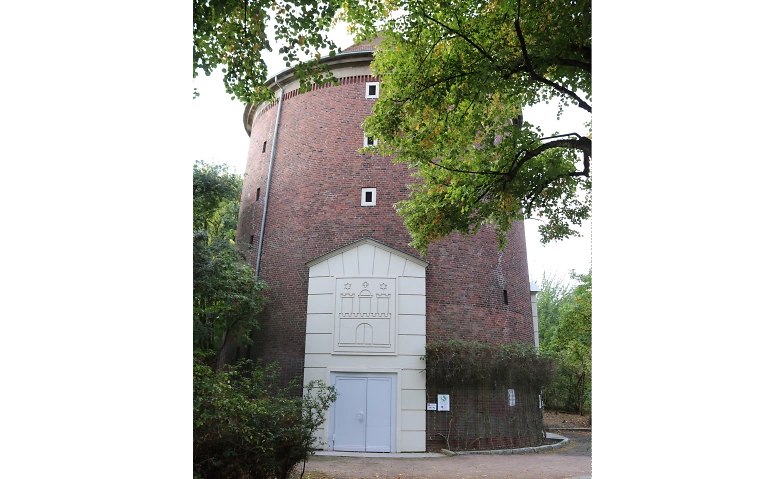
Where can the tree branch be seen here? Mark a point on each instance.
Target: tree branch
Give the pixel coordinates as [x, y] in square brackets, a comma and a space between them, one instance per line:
[461, 35]
[527, 66]
[575, 63]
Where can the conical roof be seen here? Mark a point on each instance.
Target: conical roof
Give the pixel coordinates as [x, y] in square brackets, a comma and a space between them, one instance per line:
[364, 46]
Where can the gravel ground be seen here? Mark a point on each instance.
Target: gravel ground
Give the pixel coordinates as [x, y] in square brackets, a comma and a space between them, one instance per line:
[571, 461]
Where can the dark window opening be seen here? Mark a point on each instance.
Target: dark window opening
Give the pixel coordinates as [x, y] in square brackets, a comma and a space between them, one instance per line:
[258, 192]
[372, 90]
[370, 141]
[506, 298]
[264, 147]
[368, 197]
[251, 240]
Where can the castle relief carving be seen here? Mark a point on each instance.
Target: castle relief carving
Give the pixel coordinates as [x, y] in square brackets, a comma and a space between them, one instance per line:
[364, 314]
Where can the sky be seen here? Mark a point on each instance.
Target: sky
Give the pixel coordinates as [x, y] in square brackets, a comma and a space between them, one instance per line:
[219, 137]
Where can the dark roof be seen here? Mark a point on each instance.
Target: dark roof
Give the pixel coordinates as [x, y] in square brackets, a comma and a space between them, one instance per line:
[364, 46]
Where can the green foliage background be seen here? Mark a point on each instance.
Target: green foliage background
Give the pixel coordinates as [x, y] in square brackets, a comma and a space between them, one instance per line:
[245, 422]
[565, 335]
[227, 297]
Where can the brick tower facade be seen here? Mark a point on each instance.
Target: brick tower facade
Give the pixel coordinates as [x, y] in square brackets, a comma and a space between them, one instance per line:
[351, 303]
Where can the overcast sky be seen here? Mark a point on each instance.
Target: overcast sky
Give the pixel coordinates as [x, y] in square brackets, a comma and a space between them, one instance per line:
[219, 137]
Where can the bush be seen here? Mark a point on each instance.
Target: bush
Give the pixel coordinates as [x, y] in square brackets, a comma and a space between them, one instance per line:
[246, 425]
[570, 390]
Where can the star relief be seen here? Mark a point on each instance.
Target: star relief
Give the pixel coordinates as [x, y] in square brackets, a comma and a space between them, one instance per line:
[383, 286]
[347, 286]
[365, 284]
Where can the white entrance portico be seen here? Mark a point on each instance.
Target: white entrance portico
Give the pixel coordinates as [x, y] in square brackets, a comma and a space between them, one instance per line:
[365, 334]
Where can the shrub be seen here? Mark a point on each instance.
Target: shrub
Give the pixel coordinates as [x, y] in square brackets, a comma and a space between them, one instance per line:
[464, 363]
[247, 425]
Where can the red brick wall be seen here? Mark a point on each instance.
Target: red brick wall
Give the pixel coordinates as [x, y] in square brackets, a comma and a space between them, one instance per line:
[314, 208]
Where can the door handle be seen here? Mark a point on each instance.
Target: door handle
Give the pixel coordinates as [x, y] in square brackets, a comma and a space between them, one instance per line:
[360, 416]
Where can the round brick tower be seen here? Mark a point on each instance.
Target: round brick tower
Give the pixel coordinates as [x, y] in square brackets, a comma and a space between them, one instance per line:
[351, 303]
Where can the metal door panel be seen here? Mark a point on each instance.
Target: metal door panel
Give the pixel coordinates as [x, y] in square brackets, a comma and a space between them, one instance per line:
[350, 414]
[378, 436]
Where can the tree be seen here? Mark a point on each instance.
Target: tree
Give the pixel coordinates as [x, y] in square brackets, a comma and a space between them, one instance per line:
[230, 35]
[549, 304]
[216, 199]
[226, 293]
[458, 76]
[565, 329]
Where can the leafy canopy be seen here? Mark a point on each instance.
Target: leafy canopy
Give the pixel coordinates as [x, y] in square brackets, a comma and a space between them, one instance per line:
[231, 35]
[457, 75]
[226, 293]
[216, 195]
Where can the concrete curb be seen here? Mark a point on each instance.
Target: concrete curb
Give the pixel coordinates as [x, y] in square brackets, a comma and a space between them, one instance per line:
[523, 450]
[445, 452]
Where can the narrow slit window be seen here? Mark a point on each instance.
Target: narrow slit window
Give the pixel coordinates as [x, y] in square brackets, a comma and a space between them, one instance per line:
[506, 298]
[251, 243]
[368, 197]
[258, 193]
[264, 147]
[371, 89]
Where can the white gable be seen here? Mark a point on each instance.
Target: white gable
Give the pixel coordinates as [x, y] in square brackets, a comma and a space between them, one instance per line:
[367, 258]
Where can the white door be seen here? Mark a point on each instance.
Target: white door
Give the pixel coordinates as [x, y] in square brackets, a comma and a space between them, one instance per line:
[378, 432]
[363, 414]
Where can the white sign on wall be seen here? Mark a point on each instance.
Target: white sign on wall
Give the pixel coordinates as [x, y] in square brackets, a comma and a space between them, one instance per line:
[511, 397]
[443, 402]
[431, 406]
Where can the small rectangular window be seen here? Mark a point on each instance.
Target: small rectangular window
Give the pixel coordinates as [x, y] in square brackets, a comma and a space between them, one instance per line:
[506, 298]
[369, 141]
[264, 147]
[371, 89]
[251, 240]
[368, 197]
[258, 192]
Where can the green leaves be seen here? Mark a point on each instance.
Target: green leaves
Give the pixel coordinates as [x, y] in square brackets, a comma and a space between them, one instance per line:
[456, 76]
[216, 197]
[247, 424]
[565, 330]
[226, 293]
[230, 35]
[491, 365]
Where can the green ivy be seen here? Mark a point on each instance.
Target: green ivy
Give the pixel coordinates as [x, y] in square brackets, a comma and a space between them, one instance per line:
[483, 364]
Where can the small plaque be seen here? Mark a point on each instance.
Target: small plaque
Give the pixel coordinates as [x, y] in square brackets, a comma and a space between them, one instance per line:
[443, 402]
[512, 400]
[431, 406]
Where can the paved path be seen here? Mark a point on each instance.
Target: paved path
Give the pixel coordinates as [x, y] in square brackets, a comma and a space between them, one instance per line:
[570, 461]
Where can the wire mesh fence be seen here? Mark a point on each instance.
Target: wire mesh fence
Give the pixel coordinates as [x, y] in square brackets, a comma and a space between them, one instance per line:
[483, 417]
